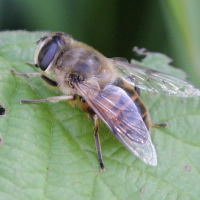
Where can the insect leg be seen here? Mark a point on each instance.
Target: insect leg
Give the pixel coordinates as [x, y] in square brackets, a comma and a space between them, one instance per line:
[137, 89]
[160, 125]
[30, 75]
[97, 142]
[50, 99]
[31, 64]
[134, 79]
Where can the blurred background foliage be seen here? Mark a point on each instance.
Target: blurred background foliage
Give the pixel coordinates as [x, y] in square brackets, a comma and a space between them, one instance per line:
[114, 27]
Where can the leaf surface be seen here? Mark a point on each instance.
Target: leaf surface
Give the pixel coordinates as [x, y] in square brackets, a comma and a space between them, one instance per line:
[47, 150]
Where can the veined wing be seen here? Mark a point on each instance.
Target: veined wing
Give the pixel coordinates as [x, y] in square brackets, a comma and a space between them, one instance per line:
[120, 114]
[154, 81]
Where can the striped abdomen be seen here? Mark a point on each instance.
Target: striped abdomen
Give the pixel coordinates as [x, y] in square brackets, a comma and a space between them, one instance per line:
[136, 99]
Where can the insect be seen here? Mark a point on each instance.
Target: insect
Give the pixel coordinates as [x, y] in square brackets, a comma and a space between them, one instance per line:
[105, 88]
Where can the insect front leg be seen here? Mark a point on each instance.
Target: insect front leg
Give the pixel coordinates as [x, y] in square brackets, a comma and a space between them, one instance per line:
[97, 142]
[30, 75]
[47, 80]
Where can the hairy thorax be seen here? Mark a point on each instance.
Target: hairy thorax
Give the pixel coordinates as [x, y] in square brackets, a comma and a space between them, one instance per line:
[90, 66]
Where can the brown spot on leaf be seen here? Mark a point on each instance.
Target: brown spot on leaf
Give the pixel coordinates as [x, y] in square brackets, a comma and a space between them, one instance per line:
[187, 168]
[155, 93]
[141, 192]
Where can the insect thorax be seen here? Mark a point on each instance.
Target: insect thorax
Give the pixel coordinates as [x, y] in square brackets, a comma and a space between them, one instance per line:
[80, 61]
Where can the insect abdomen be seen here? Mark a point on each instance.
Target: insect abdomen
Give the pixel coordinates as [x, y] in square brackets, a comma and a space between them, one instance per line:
[136, 99]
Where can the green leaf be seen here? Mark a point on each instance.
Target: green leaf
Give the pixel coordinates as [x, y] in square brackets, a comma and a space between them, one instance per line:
[47, 150]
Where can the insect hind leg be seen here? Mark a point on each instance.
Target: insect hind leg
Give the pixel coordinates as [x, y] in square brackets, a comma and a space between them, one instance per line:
[159, 125]
[97, 142]
[137, 89]
[134, 79]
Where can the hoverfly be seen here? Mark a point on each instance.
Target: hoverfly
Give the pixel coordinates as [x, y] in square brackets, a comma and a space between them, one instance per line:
[105, 88]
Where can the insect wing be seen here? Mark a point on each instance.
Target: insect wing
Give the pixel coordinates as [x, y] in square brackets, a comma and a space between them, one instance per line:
[154, 81]
[121, 115]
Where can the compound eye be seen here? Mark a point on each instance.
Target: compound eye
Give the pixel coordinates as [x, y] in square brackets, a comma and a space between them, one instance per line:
[47, 54]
